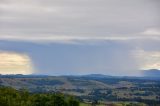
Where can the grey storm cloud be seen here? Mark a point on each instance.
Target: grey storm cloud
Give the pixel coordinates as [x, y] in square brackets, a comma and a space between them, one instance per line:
[61, 20]
[115, 37]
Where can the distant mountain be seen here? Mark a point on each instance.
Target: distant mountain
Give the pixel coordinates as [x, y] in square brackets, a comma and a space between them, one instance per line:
[97, 76]
[22, 76]
[152, 73]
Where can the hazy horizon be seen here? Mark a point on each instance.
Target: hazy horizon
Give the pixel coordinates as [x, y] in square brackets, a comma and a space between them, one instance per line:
[58, 37]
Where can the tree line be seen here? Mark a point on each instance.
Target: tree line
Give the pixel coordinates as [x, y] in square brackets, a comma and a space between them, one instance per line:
[12, 97]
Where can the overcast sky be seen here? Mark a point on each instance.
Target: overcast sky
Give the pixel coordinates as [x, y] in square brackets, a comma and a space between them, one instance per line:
[115, 37]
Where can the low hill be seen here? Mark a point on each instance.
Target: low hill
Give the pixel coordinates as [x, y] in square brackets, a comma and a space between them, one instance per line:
[52, 83]
[152, 73]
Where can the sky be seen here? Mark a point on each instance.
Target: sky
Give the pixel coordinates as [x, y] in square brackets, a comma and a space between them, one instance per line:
[75, 37]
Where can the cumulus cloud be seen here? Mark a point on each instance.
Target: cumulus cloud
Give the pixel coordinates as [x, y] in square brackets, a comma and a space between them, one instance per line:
[14, 63]
[147, 59]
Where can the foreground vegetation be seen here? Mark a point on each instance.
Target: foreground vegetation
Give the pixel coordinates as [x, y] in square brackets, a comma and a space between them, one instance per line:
[12, 97]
